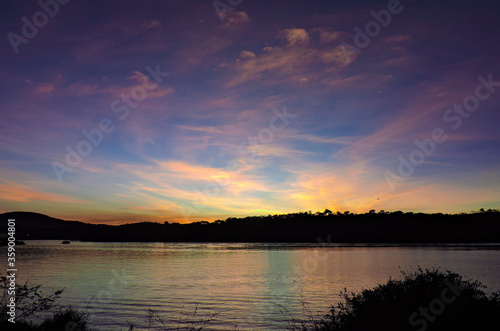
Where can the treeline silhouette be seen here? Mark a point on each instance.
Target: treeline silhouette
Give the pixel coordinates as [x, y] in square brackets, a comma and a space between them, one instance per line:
[304, 227]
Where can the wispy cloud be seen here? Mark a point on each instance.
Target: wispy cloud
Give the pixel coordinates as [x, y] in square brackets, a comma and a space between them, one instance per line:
[354, 116]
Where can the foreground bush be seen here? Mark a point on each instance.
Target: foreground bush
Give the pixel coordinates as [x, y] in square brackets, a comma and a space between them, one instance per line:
[30, 302]
[421, 300]
[66, 320]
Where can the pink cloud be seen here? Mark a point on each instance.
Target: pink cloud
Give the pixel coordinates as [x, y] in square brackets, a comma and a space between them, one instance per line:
[44, 88]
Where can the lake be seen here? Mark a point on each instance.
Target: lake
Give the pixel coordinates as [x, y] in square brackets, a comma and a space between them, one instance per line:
[246, 286]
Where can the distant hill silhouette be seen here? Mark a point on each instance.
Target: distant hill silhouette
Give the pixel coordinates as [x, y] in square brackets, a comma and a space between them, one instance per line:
[306, 227]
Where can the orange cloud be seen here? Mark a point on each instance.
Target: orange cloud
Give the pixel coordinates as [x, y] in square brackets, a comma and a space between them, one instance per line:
[12, 191]
[234, 18]
[296, 59]
[294, 37]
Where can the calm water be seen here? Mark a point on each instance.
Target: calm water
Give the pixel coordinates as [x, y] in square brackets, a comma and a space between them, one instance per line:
[248, 286]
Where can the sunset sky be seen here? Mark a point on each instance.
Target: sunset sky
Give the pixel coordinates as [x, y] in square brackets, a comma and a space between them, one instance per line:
[204, 141]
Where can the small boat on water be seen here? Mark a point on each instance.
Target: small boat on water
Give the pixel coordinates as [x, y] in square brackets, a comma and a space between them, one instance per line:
[66, 242]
